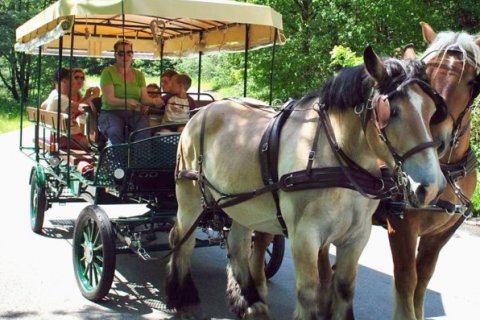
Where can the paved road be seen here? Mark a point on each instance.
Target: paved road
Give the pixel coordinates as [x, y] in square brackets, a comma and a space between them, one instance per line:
[37, 280]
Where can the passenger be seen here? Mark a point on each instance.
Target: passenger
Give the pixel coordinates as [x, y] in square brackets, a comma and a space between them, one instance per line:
[77, 84]
[78, 139]
[166, 81]
[91, 93]
[179, 103]
[124, 105]
[154, 114]
[153, 90]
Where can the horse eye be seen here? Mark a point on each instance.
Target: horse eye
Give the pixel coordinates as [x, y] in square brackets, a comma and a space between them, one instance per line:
[394, 112]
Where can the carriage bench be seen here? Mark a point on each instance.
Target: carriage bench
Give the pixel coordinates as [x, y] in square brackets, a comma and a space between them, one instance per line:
[56, 122]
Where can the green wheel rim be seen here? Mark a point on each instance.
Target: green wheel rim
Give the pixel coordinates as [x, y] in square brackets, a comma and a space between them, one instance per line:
[90, 257]
[38, 203]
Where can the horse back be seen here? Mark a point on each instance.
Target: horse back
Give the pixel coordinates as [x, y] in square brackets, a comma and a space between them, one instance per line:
[231, 134]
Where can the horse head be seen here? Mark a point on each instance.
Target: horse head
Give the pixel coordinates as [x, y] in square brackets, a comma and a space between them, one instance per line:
[452, 61]
[402, 107]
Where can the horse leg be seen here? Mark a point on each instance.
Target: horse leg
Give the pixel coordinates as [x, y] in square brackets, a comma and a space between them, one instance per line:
[403, 242]
[345, 276]
[428, 252]
[181, 291]
[257, 262]
[244, 299]
[326, 276]
[305, 251]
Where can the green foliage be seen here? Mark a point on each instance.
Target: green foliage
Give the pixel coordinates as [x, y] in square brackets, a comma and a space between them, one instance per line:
[344, 57]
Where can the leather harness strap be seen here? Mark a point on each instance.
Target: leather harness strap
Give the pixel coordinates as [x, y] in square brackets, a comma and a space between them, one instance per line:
[269, 148]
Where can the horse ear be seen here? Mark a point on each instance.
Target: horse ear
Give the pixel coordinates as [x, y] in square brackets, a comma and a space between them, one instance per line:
[374, 64]
[428, 34]
[409, 52]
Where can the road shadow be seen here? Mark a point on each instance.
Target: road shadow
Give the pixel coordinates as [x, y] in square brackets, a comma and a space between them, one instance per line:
[138, 287]
[60, 229]
[141, 287]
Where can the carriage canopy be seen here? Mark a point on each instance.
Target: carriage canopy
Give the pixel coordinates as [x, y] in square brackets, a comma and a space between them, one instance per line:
[182, 27]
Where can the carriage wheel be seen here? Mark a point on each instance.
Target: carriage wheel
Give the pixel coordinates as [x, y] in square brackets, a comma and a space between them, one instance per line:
[274, 256]
[38, 202]
[94, 253]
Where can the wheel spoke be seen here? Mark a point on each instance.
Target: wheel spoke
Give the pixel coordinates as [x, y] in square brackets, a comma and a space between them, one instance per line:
[269, 252]
[90, 273]
[98, 271]
[99, 258]
[85, 271]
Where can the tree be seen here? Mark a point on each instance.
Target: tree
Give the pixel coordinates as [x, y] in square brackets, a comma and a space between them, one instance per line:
[16, 68]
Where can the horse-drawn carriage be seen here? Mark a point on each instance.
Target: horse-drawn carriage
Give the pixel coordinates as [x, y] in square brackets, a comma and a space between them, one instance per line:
[137, 171]
[320, 181]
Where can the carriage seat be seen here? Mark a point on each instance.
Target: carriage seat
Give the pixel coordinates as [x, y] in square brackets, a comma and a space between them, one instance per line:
[54, 122]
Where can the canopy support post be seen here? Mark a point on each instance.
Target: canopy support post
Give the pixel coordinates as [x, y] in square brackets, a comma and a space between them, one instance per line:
[272, 66]
[245, 70]
[69, 122]
[37, 127]
[200, 53]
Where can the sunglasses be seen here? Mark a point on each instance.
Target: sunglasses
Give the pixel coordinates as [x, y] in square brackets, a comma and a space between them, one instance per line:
[122, 53]
[79, 78]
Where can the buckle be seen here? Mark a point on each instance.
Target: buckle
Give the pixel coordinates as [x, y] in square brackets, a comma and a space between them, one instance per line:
[286, 183]
[311, 155]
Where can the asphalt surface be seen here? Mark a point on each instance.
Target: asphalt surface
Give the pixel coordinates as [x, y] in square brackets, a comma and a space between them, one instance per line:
[37, 279]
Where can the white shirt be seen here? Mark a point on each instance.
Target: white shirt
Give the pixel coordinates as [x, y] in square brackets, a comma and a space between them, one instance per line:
[176, 110]
[52, 101]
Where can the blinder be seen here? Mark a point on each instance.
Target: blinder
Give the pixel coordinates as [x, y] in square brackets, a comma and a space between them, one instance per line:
[381, 110]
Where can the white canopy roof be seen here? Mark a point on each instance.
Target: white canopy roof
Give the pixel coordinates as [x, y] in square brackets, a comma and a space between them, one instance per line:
[184, 26]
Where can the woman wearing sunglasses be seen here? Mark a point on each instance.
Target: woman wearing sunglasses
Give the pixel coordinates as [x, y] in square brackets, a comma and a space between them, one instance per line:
[125, 99]
[78, 81]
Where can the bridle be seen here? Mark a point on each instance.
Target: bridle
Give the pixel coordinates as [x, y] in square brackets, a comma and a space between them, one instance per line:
[458, 131]
[379, 111]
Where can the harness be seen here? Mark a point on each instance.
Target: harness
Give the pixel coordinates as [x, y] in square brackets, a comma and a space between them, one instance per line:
[347, 175]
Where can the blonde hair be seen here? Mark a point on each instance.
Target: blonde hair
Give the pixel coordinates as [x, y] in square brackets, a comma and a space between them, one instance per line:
[122, 42]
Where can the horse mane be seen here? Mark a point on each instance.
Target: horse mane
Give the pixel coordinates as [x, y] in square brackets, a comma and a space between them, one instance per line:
[449, 40]
[352, 86]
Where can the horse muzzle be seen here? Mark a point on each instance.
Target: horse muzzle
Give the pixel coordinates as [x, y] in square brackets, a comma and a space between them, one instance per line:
[423, 194]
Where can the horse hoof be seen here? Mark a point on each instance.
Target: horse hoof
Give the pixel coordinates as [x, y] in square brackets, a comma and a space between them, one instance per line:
[257, 311]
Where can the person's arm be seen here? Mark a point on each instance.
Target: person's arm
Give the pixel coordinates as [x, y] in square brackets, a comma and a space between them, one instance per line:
[148, 101]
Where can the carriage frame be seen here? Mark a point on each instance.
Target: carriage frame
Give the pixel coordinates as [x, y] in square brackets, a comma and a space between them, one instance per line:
[135, 172]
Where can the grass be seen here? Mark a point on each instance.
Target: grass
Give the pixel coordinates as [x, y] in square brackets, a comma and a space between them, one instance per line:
[8, 124]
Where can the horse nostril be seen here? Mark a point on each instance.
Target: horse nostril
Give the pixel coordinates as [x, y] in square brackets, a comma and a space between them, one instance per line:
[421, 193]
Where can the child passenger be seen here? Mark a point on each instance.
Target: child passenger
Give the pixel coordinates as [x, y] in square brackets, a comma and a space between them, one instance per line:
[179, 103]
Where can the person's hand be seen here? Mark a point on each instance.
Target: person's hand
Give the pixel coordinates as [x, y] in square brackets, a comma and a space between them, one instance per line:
[133, 104]
[145, 109]
[92, 92]
[95, 92]
[158, 102]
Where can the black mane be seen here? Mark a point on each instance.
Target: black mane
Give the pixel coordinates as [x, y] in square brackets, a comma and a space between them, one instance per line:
[352, 86]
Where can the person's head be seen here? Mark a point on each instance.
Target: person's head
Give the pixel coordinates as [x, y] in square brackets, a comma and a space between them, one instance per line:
[153, 90]
[181, 83]
[166, 80]
[63, 75]
[78, 79]
[123, 51]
